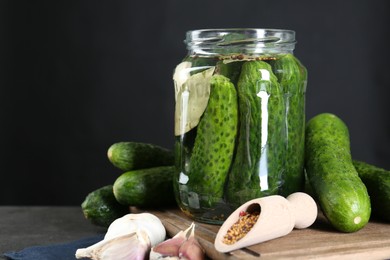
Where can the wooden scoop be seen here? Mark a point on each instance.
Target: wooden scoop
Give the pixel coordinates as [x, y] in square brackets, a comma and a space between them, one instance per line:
[278, 216]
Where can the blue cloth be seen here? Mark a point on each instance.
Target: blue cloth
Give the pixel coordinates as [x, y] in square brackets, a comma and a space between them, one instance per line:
[65, 251]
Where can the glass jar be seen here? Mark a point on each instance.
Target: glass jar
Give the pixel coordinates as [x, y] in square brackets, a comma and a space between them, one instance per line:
[239, 120]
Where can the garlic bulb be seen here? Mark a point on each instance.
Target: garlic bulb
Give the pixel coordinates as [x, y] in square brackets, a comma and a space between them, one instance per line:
[135, 246]
[132, 222]
[128, 237]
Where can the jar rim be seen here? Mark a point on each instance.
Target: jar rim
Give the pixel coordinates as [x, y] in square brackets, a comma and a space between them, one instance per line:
[250, 38]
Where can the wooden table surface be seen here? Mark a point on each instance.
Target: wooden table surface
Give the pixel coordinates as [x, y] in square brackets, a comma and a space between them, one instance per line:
[25, 226]
[320, 241]
[22, 227]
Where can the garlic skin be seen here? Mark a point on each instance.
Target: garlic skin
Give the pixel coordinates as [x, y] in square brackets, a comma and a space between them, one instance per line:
[191, 249]
[128, 237]
[130, 246]
[182, 246]
[132, 222]
[170, 247]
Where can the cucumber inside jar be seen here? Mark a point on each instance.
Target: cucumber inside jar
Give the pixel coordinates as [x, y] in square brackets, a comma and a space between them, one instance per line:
[238, 147]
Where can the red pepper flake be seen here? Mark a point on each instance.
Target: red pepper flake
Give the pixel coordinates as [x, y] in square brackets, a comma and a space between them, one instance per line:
[243, 213]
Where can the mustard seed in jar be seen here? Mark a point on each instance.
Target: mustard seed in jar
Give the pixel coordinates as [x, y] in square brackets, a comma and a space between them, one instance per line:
[239, 107]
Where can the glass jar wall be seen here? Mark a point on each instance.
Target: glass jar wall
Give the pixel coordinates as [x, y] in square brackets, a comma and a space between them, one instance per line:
[239, 120]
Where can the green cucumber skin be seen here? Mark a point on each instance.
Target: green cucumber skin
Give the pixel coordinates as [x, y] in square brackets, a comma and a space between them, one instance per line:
[230, 70]
[214, 143]
[377, 181]
[244, 182]
[341, 194]
[150, 187]
[128, 156]
[101, 208]
[292, 76]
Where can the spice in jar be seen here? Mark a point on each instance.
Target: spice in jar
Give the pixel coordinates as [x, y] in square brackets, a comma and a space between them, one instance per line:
[241, 227]
[239, 107]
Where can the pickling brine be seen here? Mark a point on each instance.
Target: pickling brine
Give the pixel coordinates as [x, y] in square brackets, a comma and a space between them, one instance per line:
[239, 120]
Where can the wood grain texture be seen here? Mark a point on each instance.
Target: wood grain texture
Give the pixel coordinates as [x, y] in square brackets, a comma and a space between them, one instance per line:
[320, 241]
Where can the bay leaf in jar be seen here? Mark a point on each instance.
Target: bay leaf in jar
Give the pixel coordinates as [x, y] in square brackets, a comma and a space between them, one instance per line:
[192, 93]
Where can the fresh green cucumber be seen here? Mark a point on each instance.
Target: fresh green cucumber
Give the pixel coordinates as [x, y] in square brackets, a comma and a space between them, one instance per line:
[129, 156]
[292, 76]
[101, 208]
[214, 143]
[230, 70]
[341, 194]
[151, 187]
[377, 181]
[258, 162]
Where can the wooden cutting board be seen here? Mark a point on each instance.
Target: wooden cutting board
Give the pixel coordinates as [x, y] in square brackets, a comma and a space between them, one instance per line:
[320, 241]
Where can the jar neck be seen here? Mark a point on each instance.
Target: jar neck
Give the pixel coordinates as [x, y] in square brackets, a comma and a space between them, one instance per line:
[215, 42]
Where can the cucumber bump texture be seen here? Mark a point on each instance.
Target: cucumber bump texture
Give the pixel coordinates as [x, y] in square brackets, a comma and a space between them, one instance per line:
[214, 143]
[151, 187]
[101, 208]
[341, 194]
[377, 181]
[257, 166]
[292, 76]
[129, 156]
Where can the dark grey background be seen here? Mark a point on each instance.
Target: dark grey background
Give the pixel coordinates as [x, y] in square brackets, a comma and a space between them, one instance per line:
[77, 76]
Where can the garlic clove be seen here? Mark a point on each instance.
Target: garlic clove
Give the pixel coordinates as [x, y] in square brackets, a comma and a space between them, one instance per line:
[191, 249]
[170, 247]
[173, 248]
[128, 237]
[135, 246]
